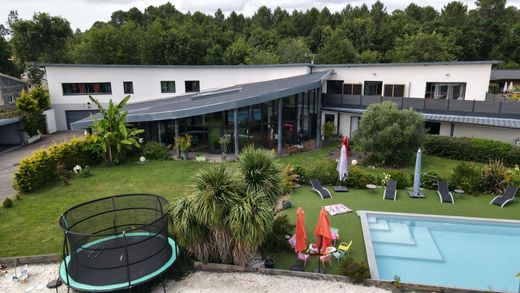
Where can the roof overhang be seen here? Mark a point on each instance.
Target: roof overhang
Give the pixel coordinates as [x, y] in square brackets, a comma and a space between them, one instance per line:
[8, 121]
[460, 119]
[218, 100]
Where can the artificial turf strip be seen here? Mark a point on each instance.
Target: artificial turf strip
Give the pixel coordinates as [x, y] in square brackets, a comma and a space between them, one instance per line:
[349, 225]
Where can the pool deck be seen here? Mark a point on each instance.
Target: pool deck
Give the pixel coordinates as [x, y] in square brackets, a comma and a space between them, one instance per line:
[367, 237]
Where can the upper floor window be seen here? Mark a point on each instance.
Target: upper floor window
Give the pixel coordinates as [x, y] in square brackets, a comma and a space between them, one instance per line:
[394, 90]
[352, 89]
[168, 86]
[10, 99]
[128, 87]
[87, 88]
[445, 90]
[334, 86]
[373, 88]
[192, 86]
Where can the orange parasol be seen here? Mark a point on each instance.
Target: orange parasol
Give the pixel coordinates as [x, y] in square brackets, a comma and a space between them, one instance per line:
[322, 231]
[301, 236]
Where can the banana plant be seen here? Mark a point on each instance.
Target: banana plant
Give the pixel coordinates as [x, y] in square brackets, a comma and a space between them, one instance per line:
[112, 132]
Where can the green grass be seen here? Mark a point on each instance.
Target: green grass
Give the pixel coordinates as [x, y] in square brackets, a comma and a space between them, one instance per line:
[349, 225]
[31, 226]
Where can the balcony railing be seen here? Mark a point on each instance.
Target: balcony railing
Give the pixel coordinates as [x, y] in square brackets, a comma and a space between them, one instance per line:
[503, 109]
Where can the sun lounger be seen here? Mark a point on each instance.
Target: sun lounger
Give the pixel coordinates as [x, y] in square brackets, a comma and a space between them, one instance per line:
[390, 190]
[444, 193]
[322, 191]
[506, 197]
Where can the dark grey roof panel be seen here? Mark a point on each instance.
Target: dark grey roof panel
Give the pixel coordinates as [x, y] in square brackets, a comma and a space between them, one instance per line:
[218, 100]
[484, 121]
[8, 121]
[505, 74]
[407, 64]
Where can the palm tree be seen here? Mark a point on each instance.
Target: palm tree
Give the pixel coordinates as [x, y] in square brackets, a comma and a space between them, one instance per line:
[261, 172]
[111, 130]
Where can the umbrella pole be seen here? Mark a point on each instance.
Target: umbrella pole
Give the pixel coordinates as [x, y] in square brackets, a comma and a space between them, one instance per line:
[319, 255]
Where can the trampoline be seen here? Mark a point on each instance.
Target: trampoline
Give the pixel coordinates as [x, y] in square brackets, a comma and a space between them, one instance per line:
[116, 243]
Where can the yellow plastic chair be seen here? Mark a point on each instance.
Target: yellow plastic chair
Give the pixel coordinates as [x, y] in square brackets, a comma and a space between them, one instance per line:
[344, 247]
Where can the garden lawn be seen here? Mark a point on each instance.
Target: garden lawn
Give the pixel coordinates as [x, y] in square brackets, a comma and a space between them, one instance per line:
[31, 226]
[349, 225]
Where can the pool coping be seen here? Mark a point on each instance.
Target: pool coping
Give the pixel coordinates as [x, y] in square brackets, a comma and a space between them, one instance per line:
[367, 237]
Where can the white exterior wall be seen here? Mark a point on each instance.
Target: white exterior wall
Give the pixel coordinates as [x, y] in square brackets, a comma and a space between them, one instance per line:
[50, 120]
[502, 134]
[147, 81]
[415, 77]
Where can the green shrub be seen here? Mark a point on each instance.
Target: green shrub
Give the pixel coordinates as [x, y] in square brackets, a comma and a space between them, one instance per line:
[289, 179]
[495, 177]
[403, 180]
[325, 171]
[302, 174]
[467, 177]
[275, 240]
[515, 176]
[44, 166]
[155, 151]
[471, 149]
[8, 203]
[329, 130]
[358, 178]
[429, 180]
[391, 136]
[356, 271]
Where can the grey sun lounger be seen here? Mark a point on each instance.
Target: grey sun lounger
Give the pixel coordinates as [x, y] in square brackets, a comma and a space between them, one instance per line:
[390, 190]
[444, 193]
[506, 197]
[322, 191]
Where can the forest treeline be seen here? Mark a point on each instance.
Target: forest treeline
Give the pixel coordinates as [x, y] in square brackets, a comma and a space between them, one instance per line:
[361, 34]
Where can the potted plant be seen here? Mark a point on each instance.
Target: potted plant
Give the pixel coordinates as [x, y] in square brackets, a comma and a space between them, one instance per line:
[224, 142]
[183, 144]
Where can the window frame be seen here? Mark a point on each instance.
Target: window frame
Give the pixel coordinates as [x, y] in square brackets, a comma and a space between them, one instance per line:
[197, 82]
[393, 90]
[449, 90]
[379, 87]
[131, 91]
[86, 86]
[353, 90]
[336, 84]
[169, 91]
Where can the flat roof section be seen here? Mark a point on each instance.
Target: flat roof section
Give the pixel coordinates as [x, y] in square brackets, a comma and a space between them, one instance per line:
[505, 75]
[218, 100]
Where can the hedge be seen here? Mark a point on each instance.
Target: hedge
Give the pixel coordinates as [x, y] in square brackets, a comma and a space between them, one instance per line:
[471, 149]
[42, 166]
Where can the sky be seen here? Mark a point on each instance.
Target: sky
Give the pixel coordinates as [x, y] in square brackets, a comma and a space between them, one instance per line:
[83, 13]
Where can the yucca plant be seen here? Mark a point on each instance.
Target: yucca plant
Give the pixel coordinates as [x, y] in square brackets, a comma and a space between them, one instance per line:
[495, 177]
[250, 220]
[261, 172]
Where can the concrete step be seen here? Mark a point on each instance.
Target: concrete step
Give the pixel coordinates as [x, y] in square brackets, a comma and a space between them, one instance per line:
[397, 233]
[380, 225]
[425, 247]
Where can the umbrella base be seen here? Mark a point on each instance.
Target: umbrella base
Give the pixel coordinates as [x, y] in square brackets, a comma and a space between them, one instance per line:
[340, 189]
[416, 195]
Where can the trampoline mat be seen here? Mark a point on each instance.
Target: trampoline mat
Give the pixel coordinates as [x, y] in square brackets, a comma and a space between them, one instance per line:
[104, 262]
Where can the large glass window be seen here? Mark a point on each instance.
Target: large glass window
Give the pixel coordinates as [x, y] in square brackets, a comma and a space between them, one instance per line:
[334, 86]
[352, 89]
[87, 88]
[192, 86]
[373, 88]
[167, 86]
[445, 90]
[394, 90]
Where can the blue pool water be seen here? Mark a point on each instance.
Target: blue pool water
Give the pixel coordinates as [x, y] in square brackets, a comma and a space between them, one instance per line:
[447, 252]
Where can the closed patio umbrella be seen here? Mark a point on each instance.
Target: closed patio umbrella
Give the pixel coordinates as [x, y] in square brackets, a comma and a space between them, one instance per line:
[417, 177]
[510, 88]
[301, 235]
[322, 231]
[504, 90]
[342, 167]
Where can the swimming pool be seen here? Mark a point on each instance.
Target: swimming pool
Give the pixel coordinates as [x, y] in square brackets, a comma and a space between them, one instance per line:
[458, 252]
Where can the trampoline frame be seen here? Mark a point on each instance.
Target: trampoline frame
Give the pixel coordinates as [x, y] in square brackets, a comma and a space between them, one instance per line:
[64, 272]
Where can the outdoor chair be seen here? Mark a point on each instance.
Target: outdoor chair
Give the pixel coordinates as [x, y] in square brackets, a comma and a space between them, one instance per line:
[334, 232]
[390, 190]
[444, 193]
[322, 191]
[291, 240]
[304, 257]
[506, 197]
[339, 255]
[326, 258]
[344, 247]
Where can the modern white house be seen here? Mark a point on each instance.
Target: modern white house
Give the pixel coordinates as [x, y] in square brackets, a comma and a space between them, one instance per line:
[281, 105]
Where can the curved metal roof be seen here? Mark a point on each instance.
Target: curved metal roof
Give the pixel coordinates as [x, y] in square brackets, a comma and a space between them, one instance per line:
[218, 100]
